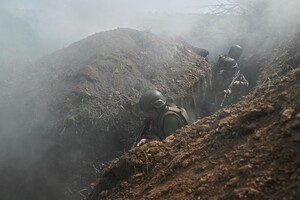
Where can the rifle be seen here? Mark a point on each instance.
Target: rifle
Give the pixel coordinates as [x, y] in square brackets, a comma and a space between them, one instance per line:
[237, 74]
[142, 132]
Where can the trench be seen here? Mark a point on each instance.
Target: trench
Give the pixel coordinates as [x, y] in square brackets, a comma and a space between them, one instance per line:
[199, 99]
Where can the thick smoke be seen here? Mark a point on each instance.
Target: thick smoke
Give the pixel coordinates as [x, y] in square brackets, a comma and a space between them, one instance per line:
[28, 32]
[257, 25]
[250, 23]
[34, 28]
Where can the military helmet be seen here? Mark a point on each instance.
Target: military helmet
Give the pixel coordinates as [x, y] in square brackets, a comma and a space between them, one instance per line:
[152, 99]
[229, 63]
[235, 52]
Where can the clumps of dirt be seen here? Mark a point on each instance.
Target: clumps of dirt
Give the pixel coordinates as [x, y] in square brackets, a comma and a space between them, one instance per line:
[116, 67]
[98, 82]
[247, 151]
[82, 100]
[89, 90]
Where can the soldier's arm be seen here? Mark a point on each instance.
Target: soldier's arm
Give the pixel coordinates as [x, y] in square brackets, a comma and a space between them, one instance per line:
[243, 80]
[147, 134]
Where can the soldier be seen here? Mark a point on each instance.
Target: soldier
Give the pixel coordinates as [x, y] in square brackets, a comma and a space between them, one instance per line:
[228, 81]
[162, 119]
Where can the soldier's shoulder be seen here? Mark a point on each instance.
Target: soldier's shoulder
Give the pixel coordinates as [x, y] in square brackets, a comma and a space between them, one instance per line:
[171, 119]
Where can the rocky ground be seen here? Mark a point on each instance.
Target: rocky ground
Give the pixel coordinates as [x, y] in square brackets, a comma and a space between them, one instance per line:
[246, 151]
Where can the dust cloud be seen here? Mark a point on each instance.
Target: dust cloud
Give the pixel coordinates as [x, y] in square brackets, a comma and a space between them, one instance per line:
[36, 28]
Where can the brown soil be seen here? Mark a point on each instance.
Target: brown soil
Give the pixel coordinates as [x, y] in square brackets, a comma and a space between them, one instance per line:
[87, 93]
[247, 151]
[76, 108]
[98, 81]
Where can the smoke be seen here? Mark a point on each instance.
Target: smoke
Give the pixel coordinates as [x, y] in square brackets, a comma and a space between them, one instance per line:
[283, 17]
[36, 28]
[257, 25]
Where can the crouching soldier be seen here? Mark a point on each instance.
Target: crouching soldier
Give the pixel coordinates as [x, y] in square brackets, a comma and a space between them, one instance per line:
[162, 119]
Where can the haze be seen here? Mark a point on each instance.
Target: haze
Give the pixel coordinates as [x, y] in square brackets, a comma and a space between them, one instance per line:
[32, 28]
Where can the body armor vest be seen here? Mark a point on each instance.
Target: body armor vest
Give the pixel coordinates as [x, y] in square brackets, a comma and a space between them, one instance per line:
[170, 109]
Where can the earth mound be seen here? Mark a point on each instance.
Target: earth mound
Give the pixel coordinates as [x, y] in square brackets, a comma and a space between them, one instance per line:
[98, 81]
[75, 108]
[246, 151]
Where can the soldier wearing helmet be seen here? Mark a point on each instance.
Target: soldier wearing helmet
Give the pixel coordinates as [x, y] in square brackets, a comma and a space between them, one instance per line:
[235, 52]
[162, 118]
[227, 77]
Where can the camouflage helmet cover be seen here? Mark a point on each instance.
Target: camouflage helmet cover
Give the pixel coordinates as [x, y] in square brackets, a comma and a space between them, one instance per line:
[235, 52]
[152, 99]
